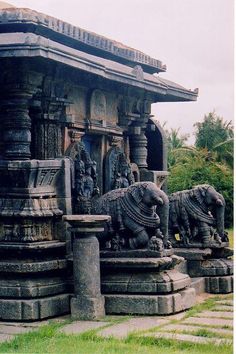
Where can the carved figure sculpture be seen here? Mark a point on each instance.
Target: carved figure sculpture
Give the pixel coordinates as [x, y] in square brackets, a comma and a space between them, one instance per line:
[85, 181]
[197, 215]
[139, 216]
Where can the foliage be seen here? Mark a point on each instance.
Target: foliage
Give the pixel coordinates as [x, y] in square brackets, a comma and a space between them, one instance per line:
[216, 135]
[175, 140]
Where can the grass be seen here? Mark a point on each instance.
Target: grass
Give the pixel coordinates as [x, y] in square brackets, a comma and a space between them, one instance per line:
[48, 340]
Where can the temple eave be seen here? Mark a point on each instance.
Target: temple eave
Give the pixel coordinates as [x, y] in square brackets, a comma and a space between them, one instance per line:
[29, 46]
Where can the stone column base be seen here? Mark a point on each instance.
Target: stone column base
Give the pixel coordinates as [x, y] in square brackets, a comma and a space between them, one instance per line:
[84, 308]
[33, 280]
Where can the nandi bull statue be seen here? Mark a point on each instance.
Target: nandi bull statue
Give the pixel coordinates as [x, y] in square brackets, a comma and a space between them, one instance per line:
[197, 215]
[139, 217]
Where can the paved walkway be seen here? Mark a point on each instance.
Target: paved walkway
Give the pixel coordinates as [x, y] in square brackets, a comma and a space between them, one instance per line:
[214, 326]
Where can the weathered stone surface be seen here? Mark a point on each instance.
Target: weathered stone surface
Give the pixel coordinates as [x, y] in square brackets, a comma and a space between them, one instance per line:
[190, 217]
[87, 304]
[150, 304]
[32, 287]
[136, 253]
[226, 302]
[32, 267]
[13, 330]
[225, 252]
[137, 263]
[210, 267]
[144, 282]
[78, 327]
[193, 253]
[34, 309]
[122, 330]
[139, 217]
[198, 284]
[223, 308]
[85, 308]
[219, 284]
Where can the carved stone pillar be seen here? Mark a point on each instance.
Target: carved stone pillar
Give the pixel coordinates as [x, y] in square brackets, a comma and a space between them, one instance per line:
[138, 141]
[16, 124]
[47, 128]
[87, 303]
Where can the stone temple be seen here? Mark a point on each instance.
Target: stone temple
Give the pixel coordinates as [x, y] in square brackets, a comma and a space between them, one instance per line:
[76, 124]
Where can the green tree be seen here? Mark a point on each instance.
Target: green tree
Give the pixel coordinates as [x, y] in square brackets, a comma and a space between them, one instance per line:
[216, 135]
[175, 140]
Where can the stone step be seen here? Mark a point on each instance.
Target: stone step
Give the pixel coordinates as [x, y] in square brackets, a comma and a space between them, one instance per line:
[78, 327]
[219, 322]
[188, 338]
[122, 330]
[189, 328]
[216, 314]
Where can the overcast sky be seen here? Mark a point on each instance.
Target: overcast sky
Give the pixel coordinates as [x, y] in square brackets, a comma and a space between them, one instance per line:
[194, 38]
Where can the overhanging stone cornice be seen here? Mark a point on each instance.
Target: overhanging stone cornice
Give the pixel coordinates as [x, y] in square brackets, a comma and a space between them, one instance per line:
[30, 45]
[26, 20]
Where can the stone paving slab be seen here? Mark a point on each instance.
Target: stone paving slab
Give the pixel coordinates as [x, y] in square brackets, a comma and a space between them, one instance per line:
[219, 322]
[181, 327]
[36, 323]
[5, 337]
[224, 308]
[177, 316]
[78, 327]
[215, 314]
[189, 338]
[225, 302]
[6, 329]
[122, 330]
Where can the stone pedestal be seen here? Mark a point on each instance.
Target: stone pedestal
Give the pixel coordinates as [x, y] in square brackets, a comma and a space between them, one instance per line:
[33, 265]
[145, 286]
[33, 281]
[213, 264]
[87, 303]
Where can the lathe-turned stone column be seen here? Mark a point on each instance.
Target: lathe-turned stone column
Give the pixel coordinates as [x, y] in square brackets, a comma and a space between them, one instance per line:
[87, 303]
[16, 125]
[138, 142]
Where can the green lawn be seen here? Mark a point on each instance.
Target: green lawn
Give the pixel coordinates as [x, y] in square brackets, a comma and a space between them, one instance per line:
[48, 340]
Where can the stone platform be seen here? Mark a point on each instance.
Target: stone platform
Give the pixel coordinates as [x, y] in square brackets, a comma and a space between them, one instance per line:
[145, 285]
[33, 283]
[213, 264]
